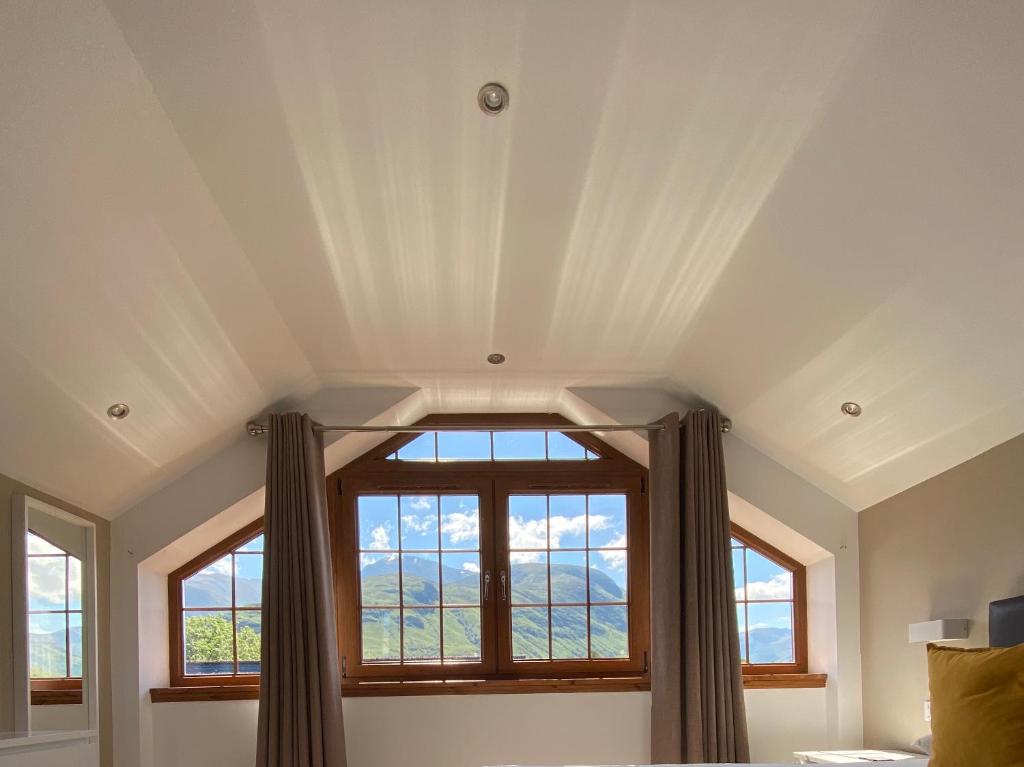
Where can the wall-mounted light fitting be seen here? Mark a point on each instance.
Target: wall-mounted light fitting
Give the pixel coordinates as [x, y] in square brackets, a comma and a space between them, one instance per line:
[851, 409]
[493, 99]
[118, 410]
[940, 630]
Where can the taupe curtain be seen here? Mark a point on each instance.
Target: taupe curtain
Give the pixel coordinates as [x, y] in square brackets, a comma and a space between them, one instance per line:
[300, 722]
[697, 712]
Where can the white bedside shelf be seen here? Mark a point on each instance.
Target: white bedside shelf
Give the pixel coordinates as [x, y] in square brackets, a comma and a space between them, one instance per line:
[852, 757]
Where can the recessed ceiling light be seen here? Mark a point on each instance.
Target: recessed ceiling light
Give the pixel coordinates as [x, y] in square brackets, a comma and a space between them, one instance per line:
[118, 410]
[493, 99]
[495, 359]
[851, 409]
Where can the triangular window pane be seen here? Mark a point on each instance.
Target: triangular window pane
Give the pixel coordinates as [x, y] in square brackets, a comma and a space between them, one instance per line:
[494, 445]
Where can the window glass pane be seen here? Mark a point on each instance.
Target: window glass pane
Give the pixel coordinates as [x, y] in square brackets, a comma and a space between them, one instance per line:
[248, 580]
[256, 544]
[567, 526]
[568, 632]
[419, 522]
[527, 522]
[460, 575]
[210, 587]
[46, 584]
[36, 545]
[422, 627]
[382, 635]
[609, 631]
[766, 579]
[529, 578]
[378, 522]
[607, 521]
[47, 645]
[420, 580]
[208, 643]
[771, 632]
[608, 575]
[530, 633]
[248, 630]
[75, 644]
[519, 445]
[568, 577]
[741, 621]
[378, 575]
[460, 522]
[562, 448]
[420, 449]
[462, 635]
[74, 583]
[592, 456]
[737, 573]
[464, 445]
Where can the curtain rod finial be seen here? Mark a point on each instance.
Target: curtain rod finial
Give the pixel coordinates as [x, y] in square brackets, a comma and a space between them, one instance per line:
[255, 429]
[726, 425]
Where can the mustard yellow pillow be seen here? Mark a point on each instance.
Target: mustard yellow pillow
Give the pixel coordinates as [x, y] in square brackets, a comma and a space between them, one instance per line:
[977, 706]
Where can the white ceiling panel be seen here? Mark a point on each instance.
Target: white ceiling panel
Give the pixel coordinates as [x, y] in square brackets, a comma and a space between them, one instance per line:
[209, 207]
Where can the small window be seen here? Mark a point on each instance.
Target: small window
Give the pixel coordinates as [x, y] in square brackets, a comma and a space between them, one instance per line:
[449, 446]
[216, 613]
[54, 614]
[770, 606]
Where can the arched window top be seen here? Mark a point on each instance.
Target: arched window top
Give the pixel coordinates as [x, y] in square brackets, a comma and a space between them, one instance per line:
[444, 446]
[771, 606]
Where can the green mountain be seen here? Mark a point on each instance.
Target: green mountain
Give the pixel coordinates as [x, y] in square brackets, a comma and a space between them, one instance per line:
[382, 634]
[770, 645]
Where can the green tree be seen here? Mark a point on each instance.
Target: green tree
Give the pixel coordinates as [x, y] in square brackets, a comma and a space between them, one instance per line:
[208, 638]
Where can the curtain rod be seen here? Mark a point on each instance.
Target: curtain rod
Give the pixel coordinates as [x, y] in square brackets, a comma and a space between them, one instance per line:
[257, 429]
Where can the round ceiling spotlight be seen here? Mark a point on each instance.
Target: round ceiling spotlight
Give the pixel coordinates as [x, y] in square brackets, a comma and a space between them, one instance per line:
[495, 359]
[493, 99]
[118, 410]
[851, 409]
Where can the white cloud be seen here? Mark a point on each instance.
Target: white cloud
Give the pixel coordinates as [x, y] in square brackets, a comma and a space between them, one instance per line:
[418, 524]
[46, 581]
[779, 587]
[525, 557]
[461, 527]
[470, 567]
[380, 537]
[421, 502]
[613, 560]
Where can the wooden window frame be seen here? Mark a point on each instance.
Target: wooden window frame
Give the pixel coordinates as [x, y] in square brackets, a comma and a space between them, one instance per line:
[175, 624]
[492, 481]
[799, 601]
[57, 690]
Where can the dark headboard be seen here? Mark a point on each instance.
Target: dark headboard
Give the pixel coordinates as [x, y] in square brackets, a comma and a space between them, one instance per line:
[1006, 622]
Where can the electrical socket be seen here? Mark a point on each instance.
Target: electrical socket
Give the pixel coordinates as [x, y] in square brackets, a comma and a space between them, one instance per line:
[927, 710]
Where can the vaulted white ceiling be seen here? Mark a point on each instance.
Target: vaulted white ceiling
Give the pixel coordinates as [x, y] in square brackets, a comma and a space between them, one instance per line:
[775, 207]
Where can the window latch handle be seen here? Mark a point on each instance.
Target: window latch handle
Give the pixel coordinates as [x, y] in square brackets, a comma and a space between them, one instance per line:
[487, 585]
[504, 586]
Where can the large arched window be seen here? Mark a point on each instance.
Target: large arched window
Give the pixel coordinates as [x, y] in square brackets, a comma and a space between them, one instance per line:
[481, 559]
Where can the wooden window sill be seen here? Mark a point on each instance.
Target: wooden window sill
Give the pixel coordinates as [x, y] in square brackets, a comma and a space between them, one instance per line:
[783, 681]
[477, 687]
[56, 697]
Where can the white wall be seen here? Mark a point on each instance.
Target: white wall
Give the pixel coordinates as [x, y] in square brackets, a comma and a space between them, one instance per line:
[475, 730]
[174, 524]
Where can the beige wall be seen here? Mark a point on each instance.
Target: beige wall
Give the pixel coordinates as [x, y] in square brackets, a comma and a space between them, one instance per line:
[8, 489]
[942, 549]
